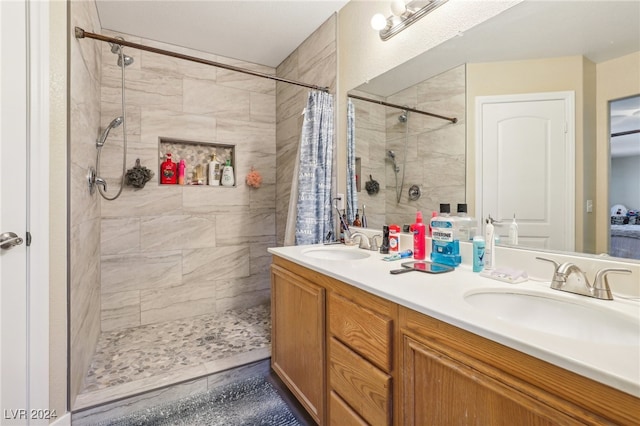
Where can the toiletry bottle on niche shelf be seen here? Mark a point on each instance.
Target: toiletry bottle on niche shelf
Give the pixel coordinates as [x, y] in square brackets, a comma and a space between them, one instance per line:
[227, 174]
[168, 171]
[182, 166]
[214, 171]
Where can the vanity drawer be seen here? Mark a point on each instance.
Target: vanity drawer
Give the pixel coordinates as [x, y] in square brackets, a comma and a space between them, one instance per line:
[364, 387]
[341, 414]
[364, 331]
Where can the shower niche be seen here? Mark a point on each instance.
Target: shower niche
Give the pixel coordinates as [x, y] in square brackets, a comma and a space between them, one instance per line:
[197, 156]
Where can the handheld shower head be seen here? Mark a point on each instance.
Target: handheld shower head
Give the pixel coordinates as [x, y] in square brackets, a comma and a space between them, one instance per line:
[392, 155]
[128, 60]
[103, 137]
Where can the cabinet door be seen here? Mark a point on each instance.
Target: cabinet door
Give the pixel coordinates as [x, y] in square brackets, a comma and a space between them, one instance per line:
[439, 390]
[297, 338]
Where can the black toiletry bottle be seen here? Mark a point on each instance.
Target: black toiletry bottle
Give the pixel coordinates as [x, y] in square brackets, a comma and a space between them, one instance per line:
[384, 247]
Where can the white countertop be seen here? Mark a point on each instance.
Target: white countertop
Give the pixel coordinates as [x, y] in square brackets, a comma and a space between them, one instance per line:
[442, 296]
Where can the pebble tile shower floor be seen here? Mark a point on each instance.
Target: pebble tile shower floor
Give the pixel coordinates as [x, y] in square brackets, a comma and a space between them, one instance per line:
[133, 354]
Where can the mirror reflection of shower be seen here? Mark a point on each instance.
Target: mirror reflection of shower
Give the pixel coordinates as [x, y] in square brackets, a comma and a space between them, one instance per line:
[95, 180]
[402, 118]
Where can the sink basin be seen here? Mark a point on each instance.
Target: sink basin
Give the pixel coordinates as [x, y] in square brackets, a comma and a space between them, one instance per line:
[572, 319]
[336, 253]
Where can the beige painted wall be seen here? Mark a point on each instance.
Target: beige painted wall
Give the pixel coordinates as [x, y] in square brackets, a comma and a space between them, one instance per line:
[616, 79]
[531, 76]
[58, 207]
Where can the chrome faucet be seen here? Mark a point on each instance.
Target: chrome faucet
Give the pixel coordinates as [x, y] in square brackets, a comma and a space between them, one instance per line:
[570, 278]
[366, 242]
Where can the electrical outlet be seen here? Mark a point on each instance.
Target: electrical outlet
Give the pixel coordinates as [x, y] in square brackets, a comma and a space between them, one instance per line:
[589, 206]
[340, 201]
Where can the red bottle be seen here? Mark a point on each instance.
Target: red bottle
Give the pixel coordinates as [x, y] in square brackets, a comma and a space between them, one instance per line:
[168, 171]
[419, 244]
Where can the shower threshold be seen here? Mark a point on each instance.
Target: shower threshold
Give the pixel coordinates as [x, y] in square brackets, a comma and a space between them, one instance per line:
[137, 360]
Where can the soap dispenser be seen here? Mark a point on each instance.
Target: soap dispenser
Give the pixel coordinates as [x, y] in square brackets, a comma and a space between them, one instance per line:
[227, 174]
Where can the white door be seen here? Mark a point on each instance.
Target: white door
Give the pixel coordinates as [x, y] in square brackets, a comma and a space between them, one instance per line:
[23, 342]
[526, 166]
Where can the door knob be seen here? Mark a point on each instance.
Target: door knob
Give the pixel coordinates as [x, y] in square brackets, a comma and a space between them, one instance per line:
[9, 240]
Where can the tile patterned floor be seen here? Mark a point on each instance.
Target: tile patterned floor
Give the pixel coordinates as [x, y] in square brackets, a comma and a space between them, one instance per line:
[124, 356]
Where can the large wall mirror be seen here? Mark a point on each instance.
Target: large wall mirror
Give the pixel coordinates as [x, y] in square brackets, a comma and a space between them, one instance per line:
[419, 161]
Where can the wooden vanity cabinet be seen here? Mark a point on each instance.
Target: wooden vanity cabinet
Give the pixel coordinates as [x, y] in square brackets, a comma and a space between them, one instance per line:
[454, 377]
[352, 358]
[298, 336]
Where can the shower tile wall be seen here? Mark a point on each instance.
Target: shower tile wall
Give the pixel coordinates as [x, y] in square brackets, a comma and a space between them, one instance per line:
[370, 136]
[313, 62]
[84, 209]
[436, 149]
[169, 251]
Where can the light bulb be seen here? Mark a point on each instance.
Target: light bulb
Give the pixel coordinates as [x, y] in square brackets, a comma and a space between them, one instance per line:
[398, 7]
[378, 22]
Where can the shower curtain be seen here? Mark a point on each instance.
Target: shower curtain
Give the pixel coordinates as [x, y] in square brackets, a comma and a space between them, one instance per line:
[352, 194]
[310, 201]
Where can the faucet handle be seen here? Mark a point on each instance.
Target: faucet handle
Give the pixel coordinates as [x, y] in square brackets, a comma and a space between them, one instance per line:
[601, 287]
[374, 245]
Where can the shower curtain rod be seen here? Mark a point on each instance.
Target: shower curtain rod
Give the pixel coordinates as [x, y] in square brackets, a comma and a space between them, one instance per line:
[80, 33]
[383, 103]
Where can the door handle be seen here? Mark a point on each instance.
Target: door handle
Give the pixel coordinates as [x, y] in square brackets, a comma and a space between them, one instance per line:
[9, 240]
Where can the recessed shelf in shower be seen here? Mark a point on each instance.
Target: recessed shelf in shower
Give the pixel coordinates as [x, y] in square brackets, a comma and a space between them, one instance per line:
[195, 154]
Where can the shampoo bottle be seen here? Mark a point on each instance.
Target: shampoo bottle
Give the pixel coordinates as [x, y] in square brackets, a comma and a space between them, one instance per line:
[490, 245]
[182, 166]
[419, 234]
[214, 171]
[513, 232]
[168, 171]
[227, 175]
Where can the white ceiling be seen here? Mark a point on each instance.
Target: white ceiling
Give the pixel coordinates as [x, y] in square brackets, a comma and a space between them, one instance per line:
[262, 32]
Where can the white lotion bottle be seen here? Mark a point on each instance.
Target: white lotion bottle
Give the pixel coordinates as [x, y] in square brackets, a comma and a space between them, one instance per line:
[513, 232]
[490, 245]
[227, 175]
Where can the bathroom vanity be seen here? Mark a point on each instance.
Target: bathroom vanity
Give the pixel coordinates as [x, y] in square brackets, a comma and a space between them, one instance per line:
[357, 345]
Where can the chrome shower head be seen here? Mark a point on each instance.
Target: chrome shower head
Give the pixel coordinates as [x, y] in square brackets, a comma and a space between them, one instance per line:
[117, 49]
[403, 117]
[103, 137]
[128, 60]
[391, 155]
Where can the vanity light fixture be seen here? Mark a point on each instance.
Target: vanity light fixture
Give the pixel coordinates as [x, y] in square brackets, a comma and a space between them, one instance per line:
[403, 14]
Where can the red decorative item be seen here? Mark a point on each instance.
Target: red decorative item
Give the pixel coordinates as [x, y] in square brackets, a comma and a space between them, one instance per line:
[168, 171]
